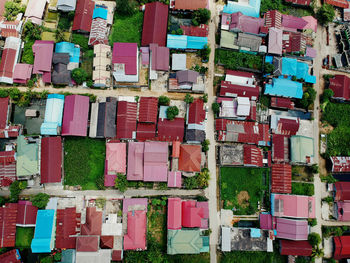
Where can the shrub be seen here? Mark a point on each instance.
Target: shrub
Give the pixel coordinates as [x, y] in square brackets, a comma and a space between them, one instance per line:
[215, 107]
[12, 9]
[234, 60]
[27, 55]
[163, 100]
[328, 199]
[79, 75]
[188, 98]
[205, 145]
[172, 112]
[204, 53]
[2, 201]
[40, 200]
[312, 221]
[204, 98]
[303, 189]
[191, 183]
[30, 83]
[313, 169]
[121, 183]
[57, 256]
[265, 100]
[80, 40]
[15, 190]
[31, 31]
[314, 239]
[201, 16]
[203, 178]
[64, 23]
[325, 14]
[268, 68]
[327, 94]
[308, 98]
[125, 7]
[100, 202]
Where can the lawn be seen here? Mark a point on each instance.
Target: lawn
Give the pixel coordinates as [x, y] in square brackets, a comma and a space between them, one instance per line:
[24, 236]
[127, 29]
[235, 60]
[84, 162]
[157, 222]
[303, 189]
[242, 188]
[253, 257]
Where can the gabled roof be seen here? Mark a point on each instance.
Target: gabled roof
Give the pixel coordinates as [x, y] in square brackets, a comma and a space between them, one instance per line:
[302, 149]
[174, 179]
[135, 161]
[190, 158]
[43, 52]
[44, 232]
[252, 8]
[66, 5]
[191, 214]
[155, 24]
[4, 108]
[292, 229]
[93, 222]
[87, 243]
[35, 10]
[126, 53]
[190, 5]
[280, 148]
[22, 73]
[343, 209]
[184, 241]
[252, 155]
[311, 23]
[196, 112]
[287, 126]
[51, 160]
[187, 76]
[135, 239]
[340, 164]
[83, 15]
[283, 103]
[342, 247]
[98, 32]
[53, 114]
[174, 213]
[275, 41]
[197, 31]
[338, 3]
[66, 227]
[26, 213]
[342, 191]
[273, 18]
[106, 242]
[340, 84]
[300, 2]
[8, 218]
[115, 161]
[295, 206]
[11, 256]
[9, 59]
[146, 131]
[171, 130]
[156, 162]
[126, 119]
[284, 88]
[27, 157]
[148, 109]
[294, 22]
[103, 119]
[160, 57]
[245, 24]
[295, 248]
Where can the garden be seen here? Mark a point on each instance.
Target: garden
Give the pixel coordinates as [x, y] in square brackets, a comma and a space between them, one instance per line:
[242, 188]
[24, 236]
[236, 60]
[84, 160]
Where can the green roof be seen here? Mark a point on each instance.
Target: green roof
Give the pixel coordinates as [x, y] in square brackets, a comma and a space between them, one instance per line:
[27, 157]
[184, 241]
[301, 148]
[228, 40]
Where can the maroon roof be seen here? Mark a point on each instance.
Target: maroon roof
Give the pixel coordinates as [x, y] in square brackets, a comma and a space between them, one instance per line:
[232, 90]
[87, 243]
[295, 43]
[288, 126]
[146, 131]
[117, 255]
[7, 168]
[106, 242]
[83, 15]
[171, 130]
[126, 53]
[253, 155]
[196, 31]
[66, 227]
[246, 24]
[8, 218]
[299, 2]
[273, 18]
[11, 256]
[281, 178]
[284, 103]
[160, 57]
[340, 84]
[93, 222]
[26, 213]
[51, 160]
[295, 248]
[196, 112]
[342, 191]
[126, 119]
[4, 105]
[342, 247]
[155, 23]
[148, 109]
[7, 62]
[280, 149]
[338, 3]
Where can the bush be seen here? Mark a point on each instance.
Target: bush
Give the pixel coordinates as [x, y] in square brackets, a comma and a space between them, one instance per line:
[268, 68]
[40, 200]
[188, 98]
[215, 107]
[203, 178]
[172, 112]
[205, 145]
[201, 16]
[15, 190]
[314, 239]
[204, 53]
[12, 9]
[325, 14]
[79, 75]
[163, 100]
[31, 31]
[234, 60]
[328, 199]
[57, 256]
[27, 55]
[121, 183]
[2, 201]
[64, 23]
[191, 183]
[100, 202]
[313, 169]
[327, 94]
[303, 189]
[30, 83]
[312, 221]
[80, 40]
[308, 98]
[204, 98]
[265, 100]
[125, 7]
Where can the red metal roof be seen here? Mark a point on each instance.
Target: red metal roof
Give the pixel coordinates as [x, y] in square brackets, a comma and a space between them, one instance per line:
[11, 256]
[155, 23]
[253, 155]
[160, 57]
[106, 242]
[126, 53]
[190, 5]
[280, 148]
[10, 132]
[176, 149]
[4, 105]
[342, 247]
[340, 164]
[7, 62]
[283, 103]
[67, 223]
[171, 130]
[51, 160]
[126, 119]
[338, 3]
[146, 131]
[342, 191]
[340, 84]
[93, 222]
[295, 248]
[246, 24]
[196, 31]
[288, 126]
[87, 243]
[190, 158]
[281, 178]
[232, 90]
[174, 213]
[26, 213]
[135, 239]
[83, 15]
[295, 42]
[117, 255]
[300, 2]
[196, 112]
[8, 218]
[191, 215]
[273, 18]
[148, 109]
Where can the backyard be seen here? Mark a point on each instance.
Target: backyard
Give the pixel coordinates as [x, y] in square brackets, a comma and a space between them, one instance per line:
[84, 160]
[253, 256]
[157, 220]
[122, 31]
[24, 236]
[242, 188]
[235, 60]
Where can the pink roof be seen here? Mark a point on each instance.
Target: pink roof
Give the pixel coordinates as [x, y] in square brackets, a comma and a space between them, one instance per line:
[116, 157]
[273, 18]
[265, 221]
[43, 52]
[87, 243]
[343, 211]
[292, 229]
[246, 24]
[205, 219]
[139, 202]
[174, 213]
[311, 23]
[160, 57]
[156, 162]
[75, 115]
[135, 161]
[311, 52]
[340, 164]
[294, 22]
[22, 73]
[174, 179]
[191, 215]
[26, 214]
[275, 41]
[298, 206]
[126, 53]
[135, 239]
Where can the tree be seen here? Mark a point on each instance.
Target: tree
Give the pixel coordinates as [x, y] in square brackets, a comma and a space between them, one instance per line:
[15, 190]
[203, 178]
[309, 97]
[205, 145]
[204, 52]
[191, 182]
[12, 9]
[32, 31]
[204, 98]
[314, 239]
[57, 256]
[172, 112]
[121, 183]
[188, 98]
[40, 200]
[163, 100]
[327, 94]
[201, 16]
[2, 200]
[215, 107]
[268, 68]
[179, 31]
[325, 14]
[317, 252]
[312, 221]
[125, 7]
[79, 75]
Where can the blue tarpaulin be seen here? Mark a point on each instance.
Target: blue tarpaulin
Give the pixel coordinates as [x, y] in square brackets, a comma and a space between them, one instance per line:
[252, 9]
[71, 49]
[100, 12]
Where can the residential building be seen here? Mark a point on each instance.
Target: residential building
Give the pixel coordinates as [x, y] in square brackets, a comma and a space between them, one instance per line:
[44, 235]
[302, 149]
[281, 178]
[9, 59]
[148, 109]
[340, 164]
[196, 31]
[26, 214]
[43, 53]
[115, 161]
[252, 8]
[159, 59]
[93, 222]
[186, 42]
[190, 158]
[99, 30]
[10, 28]
[293, 42]
[284, 88]
[73, 51]
[340, 84]
[135, 161]
[51, 160]
[53, 115]
[8, 218]
[225, 239]
[178, 62]
[83, 16]
[125, 62]
[174, 179]
[60, 74]
[343, 210]
[66, 5]
[275, 41]
[2, 7]
[7, 167]
[295, 248]
[155, 162]
[186, 241]
[22, 73]
[280, 148]
[341, 247]
[292, 229]
[195, 132]
[292, 206]
[293, 23]
[67, 223]
[252, 156]
[126, 120]
[342, 191]
[35, 11]
[300, 2]
[101, 74]
[237, 22]
[284, 125]
[188, 5]
[273, 18]
[27, 157]
[283, 103]
[338, 3]
[171, 130]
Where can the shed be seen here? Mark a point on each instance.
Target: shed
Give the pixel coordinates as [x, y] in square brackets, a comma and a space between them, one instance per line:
[178, 62]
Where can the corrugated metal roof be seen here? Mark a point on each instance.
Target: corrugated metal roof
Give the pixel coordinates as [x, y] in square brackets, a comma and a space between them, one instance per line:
[340, 84]
[155, 167]
[126, 53]
[253, 155]
[51, 160]
[171, 130]
[83, 15]
[196, 112]
[174, 213]
[148, 109]
[190, 158]
[190, 5]
[146, 131]
[338, 3]
[8, 218]
[160, 57]
[342, 247]
[281, 178]
[44, 232]
[295, 248]
[135, 239]
[126, 119]
[67, 222]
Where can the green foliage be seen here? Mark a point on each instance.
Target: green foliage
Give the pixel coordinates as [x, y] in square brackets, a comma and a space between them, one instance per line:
[179, 31]
[309, 97]
[79, 75]
[47, 259]
[204, 98]
[201, 198]
[89, 83]
[337, 114]
[57, 256]
[312, 221]
[31, 31]
[64, 23]
[40, 200]
[24, 236]
[326, 77]
[327, 94]
[163, 100]
[121, 183]
[313, 169]
[204, 53]
[200, 16]
[27, 54]
[267, 5]
[12, 9]
[15, 190]
[172, 112]
[2, 201]
[314, 239]
[80, 40]
[303, 189]
[268, 68]
[205, 145]
[253, 257]
[203, 178]
[338, 142]
[215, 107]
[100, 202]
[328, 199]
[234, 60]
[125, 7]
[188, 98]
[325, 14]
[190, 183]
[30, 83]
[122, 31]
[265, 100]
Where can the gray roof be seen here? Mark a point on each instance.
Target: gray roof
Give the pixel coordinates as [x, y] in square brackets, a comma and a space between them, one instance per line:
[249, 41]
[66, 5]
[178, 62]
[62, 58]
[103, 119]
[195, 135]
[277, 63]
[60, 74]
[231, 154]
[187, 76]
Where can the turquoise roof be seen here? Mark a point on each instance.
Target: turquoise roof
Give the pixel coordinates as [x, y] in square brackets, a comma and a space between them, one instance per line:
[100, 12]
[293, 67]
[205, 247]
[44, 232]
[289, 66]
[255, 232]
[53, 114]
[253, 9]
[186, 42]
[284, 88]
[71, 49]
[196, 42]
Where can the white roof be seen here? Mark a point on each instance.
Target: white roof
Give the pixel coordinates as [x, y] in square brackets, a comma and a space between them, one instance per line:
[179, 62]
[243, 106]
[226, 239]
[101, 256]
[238, 80]
[35, 8]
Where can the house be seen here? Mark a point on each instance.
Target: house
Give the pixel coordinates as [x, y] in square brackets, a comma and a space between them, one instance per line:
[275, 41]
[293, 23]
[340, 84]
[87, 243]
[115, 161]
[103, 118]
[174, 179]
[342, 191]
[295, 248]
[197, 31]
[300, 2]
[125, 62]
[99, 256]
[60, 74]
[27, 157]
[8, 218]
[44, 235]
[232, 154]
[273, 18]
[11, 256]
[302, 149]
[294, 206]
[2, 7]
[338, 3]
[188, 5]
[146, 131]
[83, 16]
[22, 73]
[284, 88]
[311, 23]
[190, 158]
[26, 214]
[243, 23]
[53, 115]
[111, 5]
[281, 178]
[155, 24]
[155, 167]
[135, 239]
[174, 213]
[66, 5]
[126, 120]
[178, 62]
[99, 30]
[135, 161]
[35, 11]
[51, 160]
[191, 214]
[43, 52]
[159, 59]
[148, 109]
[186, 241]
[9, 59]
[195, 132]
[248, 8]
[186, 78]
[293, 67]
[101, 73]
[67, 223]
[72, 50]
[340, 164]
[252, 156]
[283, 103]
[343, 210]
[342, 247]
[284, 125]
[171, 130]
[293, 42]
[280, 148]
[7, 167]
[186, 42]
[292, 229]
[93, 222]
[10, 28]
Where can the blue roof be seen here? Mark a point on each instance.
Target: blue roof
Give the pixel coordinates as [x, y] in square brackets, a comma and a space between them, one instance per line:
[284, 88]
[196, 42]
[253, 9]
[53, 114]
[269, 59]
[293, 67]
[272, 204]
[255, 232]
[100, 12]
[71, 49]
[289, 66]
[44, 229]
[186, 42]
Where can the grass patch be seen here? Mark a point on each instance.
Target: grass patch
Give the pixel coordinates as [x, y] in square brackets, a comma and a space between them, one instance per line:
[80, 40]
[157, 224]
[301, 173]
[84, 162]
[28, 55]
[234, 60]
[198, 258]
[123, 32]
[24, 236]
[303, 189]
[253, 257]
[243, 188]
